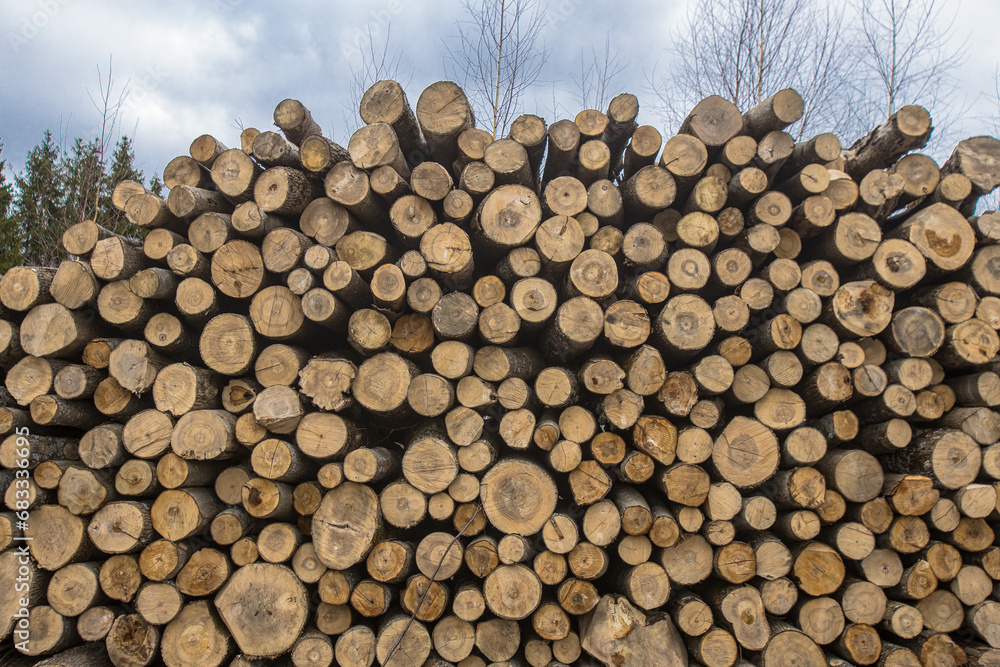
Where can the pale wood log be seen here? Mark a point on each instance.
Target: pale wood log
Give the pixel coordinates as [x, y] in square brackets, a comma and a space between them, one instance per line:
[206, 149]
[295, 121]
[148, 211]
[124, 191]
[942, 235]
[443, 112]
[564, 138]
[93, 625]
[907, 129]
[651, 640]
[385, 102]
[196, 635]
[650, 190]
[973, 158]
[641, 150]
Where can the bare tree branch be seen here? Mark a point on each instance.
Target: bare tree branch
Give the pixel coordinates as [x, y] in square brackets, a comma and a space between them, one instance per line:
[378, 63]
[593, 86]
[109, 109]
[497, 55]
[904, 56]
[746, 50]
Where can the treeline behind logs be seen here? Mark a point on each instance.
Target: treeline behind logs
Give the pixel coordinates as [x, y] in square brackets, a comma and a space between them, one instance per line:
[575, 394]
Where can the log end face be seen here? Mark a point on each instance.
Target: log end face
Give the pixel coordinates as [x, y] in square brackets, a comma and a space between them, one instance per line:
[746, 453]
[265, 607]
[344, 526]
[518, 497]
[619, 635]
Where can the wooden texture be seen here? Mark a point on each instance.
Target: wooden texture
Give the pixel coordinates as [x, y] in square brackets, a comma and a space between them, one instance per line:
[556, 397]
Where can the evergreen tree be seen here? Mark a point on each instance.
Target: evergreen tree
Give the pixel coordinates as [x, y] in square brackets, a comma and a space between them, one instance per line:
[122, 168]
[82, 170]
[58, 189]
[10, 237]
[39, 204]
[156, 185]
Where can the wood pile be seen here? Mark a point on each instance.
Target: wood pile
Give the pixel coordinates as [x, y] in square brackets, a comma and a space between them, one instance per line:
[575, 395]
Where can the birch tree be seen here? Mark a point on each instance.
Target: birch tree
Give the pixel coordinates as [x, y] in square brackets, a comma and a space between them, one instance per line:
[594, 86]
[497, 56]
[375, 61]
[746, 50]
[904, 55]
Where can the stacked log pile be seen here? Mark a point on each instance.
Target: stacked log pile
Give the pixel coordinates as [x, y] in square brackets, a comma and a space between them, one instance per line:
[576, 394]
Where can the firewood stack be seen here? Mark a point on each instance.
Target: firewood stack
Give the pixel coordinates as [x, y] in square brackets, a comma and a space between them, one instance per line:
[572, 395]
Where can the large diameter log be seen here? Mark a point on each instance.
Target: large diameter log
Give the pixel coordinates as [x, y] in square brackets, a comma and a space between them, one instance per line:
[508, 218]
[714, 121]
[509, 162]
[121, 527]
[116, 258]
[576, 326]
[861, 308]
[181, 388]
[23, 288]
[205, 435]
[265, 606]
[181, 513]
[74, 285]
[196, 637]
[124, 191]
[518, 496]
[746, 453]
[52, 330]
[21, 585]
[443, 112]
[234, 174]
[950, 457]
[57, 537]
[350, 187]
[650, 190]
[206, 149]
[132, 640]
[685, 325]
[942, 235]
[228, 345]
[273, 150]
[135, 365]
[345, 525]
[616, 633]
[382, 382]
[327, 381]
[277, 314]
[773, 113]
[284, 191]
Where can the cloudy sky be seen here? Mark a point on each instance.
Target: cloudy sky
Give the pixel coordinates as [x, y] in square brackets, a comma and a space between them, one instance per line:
[209, 66]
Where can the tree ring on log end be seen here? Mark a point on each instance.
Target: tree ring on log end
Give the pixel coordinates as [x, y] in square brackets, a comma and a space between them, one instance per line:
[518, 497]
